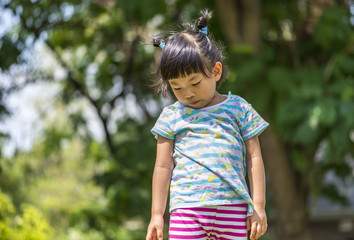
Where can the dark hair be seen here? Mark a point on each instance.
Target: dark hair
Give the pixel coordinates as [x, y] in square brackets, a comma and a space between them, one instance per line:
[187, 52]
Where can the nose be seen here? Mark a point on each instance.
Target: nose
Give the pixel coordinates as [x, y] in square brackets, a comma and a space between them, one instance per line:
[189, 94]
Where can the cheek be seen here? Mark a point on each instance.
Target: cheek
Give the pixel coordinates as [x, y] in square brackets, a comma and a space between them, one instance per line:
[177, 94]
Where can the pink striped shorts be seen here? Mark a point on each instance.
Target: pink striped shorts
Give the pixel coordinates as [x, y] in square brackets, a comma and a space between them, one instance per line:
[225, 222]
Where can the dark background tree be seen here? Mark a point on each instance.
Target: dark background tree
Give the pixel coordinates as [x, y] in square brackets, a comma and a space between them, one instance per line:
[293, 81]
[291, 59]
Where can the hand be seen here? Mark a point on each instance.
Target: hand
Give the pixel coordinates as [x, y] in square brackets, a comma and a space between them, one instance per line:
[257, 223]
[155, 229]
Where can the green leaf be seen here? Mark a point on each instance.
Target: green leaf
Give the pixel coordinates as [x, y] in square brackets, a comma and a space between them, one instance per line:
[332, 31]
[300, 161]
[306, 133]
[9, 53]
[281, 80]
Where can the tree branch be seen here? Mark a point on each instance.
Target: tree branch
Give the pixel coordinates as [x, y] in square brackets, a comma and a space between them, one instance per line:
[79, 87]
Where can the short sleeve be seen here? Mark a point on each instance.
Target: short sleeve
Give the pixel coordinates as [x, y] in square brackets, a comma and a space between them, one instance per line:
[163, 125]
[253, 124]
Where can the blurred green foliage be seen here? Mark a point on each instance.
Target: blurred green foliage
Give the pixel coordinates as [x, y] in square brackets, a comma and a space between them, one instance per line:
[306, 89]
[71, 186]
[30, 224]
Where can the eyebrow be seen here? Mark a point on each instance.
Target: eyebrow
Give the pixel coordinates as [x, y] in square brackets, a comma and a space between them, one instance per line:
[189, 80]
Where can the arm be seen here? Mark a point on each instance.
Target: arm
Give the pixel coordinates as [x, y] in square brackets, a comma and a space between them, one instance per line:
[256, 175]
[160, 186]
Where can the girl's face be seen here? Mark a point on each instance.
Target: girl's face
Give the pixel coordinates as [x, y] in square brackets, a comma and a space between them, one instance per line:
[196, 90]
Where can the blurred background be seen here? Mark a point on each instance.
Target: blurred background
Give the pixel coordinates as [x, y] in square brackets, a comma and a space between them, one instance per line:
[76, 110]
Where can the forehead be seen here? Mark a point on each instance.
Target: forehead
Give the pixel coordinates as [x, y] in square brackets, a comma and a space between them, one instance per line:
[186, 79]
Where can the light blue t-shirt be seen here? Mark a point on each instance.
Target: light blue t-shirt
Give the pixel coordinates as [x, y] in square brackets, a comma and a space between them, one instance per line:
[209, 151]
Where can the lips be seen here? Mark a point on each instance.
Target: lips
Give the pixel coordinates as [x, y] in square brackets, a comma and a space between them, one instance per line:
[194, 102]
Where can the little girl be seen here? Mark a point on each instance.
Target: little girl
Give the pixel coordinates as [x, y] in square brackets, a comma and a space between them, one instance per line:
[205, 143]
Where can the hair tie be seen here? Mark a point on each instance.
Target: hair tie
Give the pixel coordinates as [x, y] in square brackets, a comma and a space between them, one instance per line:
[204, 30]
[158, 42]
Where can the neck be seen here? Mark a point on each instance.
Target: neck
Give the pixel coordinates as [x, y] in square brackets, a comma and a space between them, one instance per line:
[218, 98]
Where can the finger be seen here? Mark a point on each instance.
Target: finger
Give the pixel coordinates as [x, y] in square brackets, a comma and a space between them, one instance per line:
[264, 228]
[253, 231]
[149, 235]
[248, 224]
[159, 234]
[259, 231]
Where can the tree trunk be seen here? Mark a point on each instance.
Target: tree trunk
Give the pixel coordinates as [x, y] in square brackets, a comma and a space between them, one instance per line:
[251, 23]
[230, 20]
[289, 198]
[240, 23]
[240, 20]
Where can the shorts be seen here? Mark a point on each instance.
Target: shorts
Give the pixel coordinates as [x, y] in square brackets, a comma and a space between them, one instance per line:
[225, 222]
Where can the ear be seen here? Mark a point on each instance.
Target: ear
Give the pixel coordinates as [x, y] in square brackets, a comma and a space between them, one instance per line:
[217, 71]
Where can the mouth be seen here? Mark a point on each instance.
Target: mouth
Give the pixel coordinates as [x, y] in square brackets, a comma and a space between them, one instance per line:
[194, 102]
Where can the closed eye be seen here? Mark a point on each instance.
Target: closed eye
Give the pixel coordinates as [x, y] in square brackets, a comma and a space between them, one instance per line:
[176, 89]
[195, 84]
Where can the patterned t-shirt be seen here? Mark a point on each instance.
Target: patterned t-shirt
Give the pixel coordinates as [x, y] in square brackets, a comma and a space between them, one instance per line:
[209, 151]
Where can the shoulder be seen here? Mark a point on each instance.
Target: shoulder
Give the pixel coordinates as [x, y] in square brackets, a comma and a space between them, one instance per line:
[172, 109]
[237, 98]
[236, 101]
